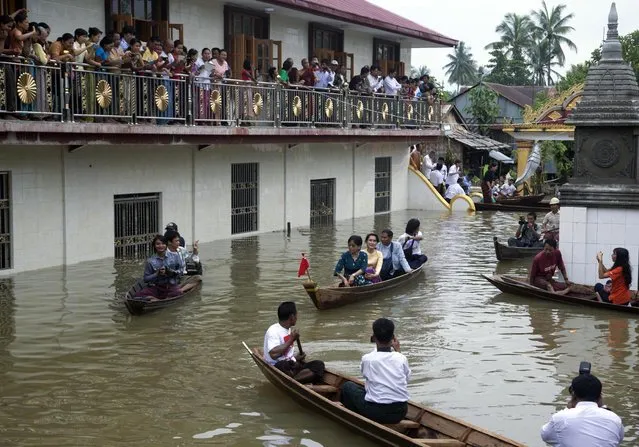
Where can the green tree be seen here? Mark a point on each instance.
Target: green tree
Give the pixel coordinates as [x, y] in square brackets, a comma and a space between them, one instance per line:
[562, 156]
[549, 30]
[418, 72]
[462, 68]
[576, 75]
[483, 107]
[506, 70]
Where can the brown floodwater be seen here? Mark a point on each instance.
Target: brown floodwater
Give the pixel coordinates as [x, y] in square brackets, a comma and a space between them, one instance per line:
[77, 370]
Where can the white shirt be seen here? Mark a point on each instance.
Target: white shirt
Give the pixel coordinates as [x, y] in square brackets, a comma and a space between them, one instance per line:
[375, 83]
[444, 170]
[436, 178]
[387, 375]
[403, 241]
[586, 425]
[277, 335]
[391, 86]
[427, 166]
[454, 190]
[453, 175]
[508, 190]
[170, 60]
[79, 59]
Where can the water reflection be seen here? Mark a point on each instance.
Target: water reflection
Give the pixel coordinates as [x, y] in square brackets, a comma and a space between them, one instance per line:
[76, 369]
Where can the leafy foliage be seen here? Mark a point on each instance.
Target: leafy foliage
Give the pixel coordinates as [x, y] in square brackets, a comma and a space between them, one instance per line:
[561, 154]
[418, 72]
[576, 75]
[483, 107]
[462, 68]
[629, 50]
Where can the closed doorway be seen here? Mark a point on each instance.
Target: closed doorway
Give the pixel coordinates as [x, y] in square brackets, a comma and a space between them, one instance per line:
[322, 202]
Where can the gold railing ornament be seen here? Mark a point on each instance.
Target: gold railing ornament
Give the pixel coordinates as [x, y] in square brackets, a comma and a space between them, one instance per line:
[384, 111]
[161, 97]
[431, 112]
[27, 88]
[328, 108]
[297, 106]
[103, 94]
[258, 103]
[216, 101]
[359, 111]
[410, 111]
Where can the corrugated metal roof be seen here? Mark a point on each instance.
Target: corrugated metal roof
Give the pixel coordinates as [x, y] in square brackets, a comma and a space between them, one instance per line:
[367, 14]
[476, 141]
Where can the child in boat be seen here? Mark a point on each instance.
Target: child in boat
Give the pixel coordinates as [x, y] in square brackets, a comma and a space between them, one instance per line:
[385, 396]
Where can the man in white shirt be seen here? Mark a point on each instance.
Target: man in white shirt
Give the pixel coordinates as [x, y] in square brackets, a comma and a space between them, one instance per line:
[584, 423]
[508, 190]
[395, 263]
[453, 173]
[437, 178]
[279, 349]
[386, 372]
[391, 86]
[444, 169]
[454, 190]
[427, 164]
[374, 79]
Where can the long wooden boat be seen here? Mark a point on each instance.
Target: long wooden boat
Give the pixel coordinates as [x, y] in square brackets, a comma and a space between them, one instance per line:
[512, 207]
[138, 306]
[422, 427]
[582, 296]
[506, 252]
[334, 296]
[521, 200]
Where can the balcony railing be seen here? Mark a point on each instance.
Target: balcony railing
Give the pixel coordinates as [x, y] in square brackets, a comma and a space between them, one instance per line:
[75, 92]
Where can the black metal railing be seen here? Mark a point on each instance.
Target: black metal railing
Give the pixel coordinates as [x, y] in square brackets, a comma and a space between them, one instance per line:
[76, 92]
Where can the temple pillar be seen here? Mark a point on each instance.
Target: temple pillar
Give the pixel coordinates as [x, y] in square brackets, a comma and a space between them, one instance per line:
[523, 151]
[600, 204]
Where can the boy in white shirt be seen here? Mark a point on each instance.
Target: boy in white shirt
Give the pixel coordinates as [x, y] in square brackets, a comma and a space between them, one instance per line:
[279, 349]
[454, 190]
[385, 396]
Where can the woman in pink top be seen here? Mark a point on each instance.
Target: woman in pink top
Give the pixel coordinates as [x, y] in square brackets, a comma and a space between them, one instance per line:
[221, 71]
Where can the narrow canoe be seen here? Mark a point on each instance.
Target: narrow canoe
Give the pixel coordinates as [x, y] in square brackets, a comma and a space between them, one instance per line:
[422, 426]
[540, 207]
[334, 296]
[138, 306]
[582, 296]
[521, 200]
[505, 252]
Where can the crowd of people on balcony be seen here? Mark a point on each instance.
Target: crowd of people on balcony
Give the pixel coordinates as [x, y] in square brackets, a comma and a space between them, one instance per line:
[95, 55]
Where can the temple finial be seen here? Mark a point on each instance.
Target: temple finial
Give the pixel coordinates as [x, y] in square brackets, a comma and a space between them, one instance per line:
[613, 21]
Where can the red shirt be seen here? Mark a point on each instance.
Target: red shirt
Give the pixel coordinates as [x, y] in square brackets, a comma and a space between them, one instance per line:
[246, 75]
[620, 293]
[544, 265]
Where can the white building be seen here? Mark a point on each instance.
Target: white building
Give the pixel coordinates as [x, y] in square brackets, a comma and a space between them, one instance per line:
[74, 191]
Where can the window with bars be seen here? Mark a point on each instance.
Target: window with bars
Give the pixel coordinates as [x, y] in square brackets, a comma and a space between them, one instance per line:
[6, 253]
[322, 202]
[382, 184]
[137, 221]
[244, 197]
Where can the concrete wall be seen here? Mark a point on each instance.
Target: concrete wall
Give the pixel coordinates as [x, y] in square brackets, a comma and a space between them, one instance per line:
[59, 196]
[586, 231]
[203, 22]
[64, 16]
[294, 36]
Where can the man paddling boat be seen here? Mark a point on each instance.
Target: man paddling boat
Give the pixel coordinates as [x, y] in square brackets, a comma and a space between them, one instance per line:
[544, 266]
[279, 349]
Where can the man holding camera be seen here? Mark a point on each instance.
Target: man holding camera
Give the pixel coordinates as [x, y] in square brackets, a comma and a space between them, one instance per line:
[527, 234]
[585, 423]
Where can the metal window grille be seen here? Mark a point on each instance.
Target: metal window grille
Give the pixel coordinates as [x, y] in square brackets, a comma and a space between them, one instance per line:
[322, 202]
[137, 221]
[382, 184]
[244, 197]
[6, 254]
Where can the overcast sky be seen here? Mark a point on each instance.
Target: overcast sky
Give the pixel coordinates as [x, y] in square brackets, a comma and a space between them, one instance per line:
[474, 22]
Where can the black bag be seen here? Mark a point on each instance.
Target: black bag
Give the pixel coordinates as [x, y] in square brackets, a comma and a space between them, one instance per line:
[408, 252]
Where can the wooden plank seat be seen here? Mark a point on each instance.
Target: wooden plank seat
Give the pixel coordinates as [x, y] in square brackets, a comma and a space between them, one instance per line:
[406, 424]
[323, 389]
[441, 442]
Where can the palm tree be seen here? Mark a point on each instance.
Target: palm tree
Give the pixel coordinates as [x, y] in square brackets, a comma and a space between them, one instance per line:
[462, 68]
[516, 34]
[418, 72]
[551, 28]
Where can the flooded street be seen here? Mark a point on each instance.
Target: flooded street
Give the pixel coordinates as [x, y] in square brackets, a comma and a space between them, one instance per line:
[77, 370]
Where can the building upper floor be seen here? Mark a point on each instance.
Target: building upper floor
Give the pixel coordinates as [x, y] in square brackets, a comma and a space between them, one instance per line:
[261, 35]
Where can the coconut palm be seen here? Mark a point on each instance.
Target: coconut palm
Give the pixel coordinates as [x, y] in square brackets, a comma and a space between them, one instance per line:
[516, 34]
[551, 27]
[418, 72]
[462, 68]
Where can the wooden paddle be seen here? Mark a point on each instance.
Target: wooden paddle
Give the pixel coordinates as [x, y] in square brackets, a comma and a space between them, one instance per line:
[299, 346]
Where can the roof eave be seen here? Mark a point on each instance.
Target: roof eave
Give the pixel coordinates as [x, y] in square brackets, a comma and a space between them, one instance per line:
[333, 13]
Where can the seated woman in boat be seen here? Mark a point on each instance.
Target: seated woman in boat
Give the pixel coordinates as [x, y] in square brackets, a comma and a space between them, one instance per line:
[544, 266]
[385, 395]
[527, 234]
[173, 246]
[162, 272]
[375, 259]
[621, 275]
[410, 244]
[354, 263]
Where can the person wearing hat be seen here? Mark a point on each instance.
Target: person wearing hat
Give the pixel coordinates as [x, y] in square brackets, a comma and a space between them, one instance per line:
[386, 372]
[550, 224]
[585, 423]
[172, 226]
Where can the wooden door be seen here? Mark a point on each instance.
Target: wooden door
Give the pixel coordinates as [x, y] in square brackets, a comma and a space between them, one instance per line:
[176, 31]
[238, 52]
[347, 60]
[8, 7]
